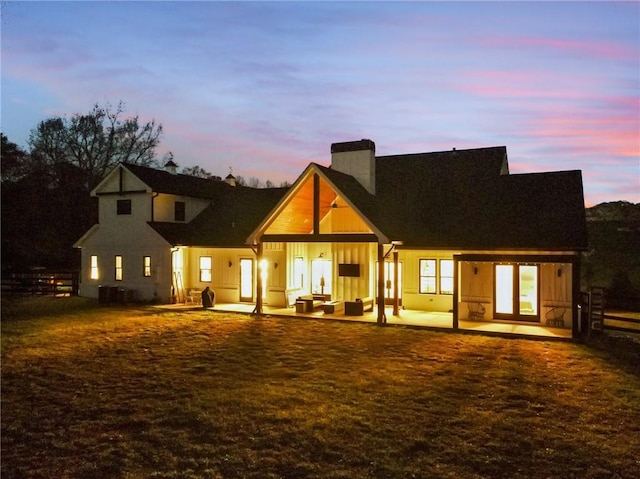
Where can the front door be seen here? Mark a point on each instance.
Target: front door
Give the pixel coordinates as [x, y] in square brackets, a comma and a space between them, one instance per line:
[389, 286]
[246, 280]
[516, 292]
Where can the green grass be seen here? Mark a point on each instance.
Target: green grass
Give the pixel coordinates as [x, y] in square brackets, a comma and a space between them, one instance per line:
[105, 392]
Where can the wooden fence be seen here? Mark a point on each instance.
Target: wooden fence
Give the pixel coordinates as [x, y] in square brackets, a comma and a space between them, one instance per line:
[596, 319]
[57, 283]
[626, 322]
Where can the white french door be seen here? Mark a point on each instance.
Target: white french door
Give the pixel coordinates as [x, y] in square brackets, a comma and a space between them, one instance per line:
[516, 292]
[246, 280]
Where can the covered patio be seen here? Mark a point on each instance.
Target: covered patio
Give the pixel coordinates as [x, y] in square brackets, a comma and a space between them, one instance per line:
[406, 317]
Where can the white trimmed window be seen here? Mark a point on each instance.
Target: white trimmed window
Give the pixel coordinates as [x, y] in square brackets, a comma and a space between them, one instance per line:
[205, 269]
[428, 276]
[298, 272]
[94, 273]
[446, 276]
[118, 268]
[146, 261]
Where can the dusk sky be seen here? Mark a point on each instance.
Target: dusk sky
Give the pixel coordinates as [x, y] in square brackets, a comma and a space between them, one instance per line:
[266, 87]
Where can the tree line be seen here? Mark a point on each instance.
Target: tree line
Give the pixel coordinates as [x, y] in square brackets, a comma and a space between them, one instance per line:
[46, 205]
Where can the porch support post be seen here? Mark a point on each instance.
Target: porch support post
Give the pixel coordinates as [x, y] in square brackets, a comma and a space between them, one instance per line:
[456, 291]
[382, 318]
[395, 282]
[258, 309]
[316, 204]
[575, 296]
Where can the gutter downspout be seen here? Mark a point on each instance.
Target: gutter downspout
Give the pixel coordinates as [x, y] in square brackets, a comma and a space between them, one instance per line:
[152, 203]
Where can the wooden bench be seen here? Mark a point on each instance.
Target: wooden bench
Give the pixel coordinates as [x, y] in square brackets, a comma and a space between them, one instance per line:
[358, 307]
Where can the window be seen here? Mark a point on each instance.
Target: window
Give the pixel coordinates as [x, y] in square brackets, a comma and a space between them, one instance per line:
[428, 276]
[205, 269]
[180, 211]
[298, 273]
[118, 268]
[146, 261]
[124, 207]
[321, 276]
[446, 276]
[94, 274]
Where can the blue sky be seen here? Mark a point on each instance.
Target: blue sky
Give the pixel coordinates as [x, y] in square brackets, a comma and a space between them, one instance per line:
[266, 87]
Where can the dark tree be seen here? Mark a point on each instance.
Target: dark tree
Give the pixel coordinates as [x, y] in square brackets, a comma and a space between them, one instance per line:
[46, 205]
[197, 171]
[95, 142]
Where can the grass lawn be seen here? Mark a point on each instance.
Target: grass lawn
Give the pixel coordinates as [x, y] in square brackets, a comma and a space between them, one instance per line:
[108, 392]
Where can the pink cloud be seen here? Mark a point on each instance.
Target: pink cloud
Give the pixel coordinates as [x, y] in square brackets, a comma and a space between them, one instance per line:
[591, 130]
[594, 49]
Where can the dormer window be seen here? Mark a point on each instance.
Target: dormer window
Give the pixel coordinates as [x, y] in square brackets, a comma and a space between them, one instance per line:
[124, 207]
[180, 211]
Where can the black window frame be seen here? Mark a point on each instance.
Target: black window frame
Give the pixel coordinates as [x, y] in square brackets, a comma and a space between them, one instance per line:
[123, 207]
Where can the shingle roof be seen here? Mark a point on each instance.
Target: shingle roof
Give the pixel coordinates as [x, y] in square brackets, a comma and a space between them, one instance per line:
[227, 222]
[460, 199]
[234, 211]
[177, 184]
[466, 199]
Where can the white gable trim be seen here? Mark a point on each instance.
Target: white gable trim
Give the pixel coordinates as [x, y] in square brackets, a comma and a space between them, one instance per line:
[118, 170]
[86, 235]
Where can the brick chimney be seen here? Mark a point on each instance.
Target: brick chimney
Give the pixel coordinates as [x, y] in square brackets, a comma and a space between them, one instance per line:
[358, 159]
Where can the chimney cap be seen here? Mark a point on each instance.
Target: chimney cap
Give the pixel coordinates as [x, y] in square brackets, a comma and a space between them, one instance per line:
[364, 144]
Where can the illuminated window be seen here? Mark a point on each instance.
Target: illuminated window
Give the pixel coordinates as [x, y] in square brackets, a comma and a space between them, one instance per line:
[118, 268]
[446, 276]
[94, 274]
[321, 276]
[147, 266]
[124, 207]
[298, 273]
[205, 269]
[180, 211]
[428, 276]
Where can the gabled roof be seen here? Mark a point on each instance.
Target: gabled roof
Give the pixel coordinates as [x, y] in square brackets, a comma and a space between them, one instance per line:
[466, 199]
[161, 181]
[227, 221]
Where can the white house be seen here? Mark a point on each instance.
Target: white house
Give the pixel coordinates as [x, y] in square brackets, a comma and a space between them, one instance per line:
[161, 233]
[449, 231]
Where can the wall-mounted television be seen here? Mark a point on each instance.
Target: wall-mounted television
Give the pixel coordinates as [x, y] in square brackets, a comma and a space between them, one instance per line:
[349, 270]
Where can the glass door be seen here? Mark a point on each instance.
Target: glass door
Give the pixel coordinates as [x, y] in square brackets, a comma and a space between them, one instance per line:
[389, 268]
[516, 293]
[321, 276]
[246, 280]
[504, 290]
[528, 289]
